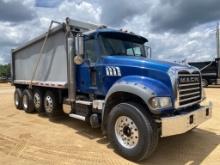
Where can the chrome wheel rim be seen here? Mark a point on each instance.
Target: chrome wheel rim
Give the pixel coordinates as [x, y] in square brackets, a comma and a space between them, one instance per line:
[48, 104]
[16, 99]
[37, 101]
[126, 132]
[25, 101]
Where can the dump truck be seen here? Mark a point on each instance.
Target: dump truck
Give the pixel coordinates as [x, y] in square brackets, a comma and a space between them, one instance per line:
[105, 77]
[210, 71]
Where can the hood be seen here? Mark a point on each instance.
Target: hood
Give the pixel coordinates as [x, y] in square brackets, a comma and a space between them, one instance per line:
[140, 62]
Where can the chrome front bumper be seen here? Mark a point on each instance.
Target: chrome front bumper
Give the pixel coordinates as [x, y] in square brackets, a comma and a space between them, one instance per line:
[179, 124]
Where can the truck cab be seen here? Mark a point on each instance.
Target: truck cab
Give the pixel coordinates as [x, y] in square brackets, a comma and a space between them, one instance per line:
[117, 69]
[107, 52]
[114, 85]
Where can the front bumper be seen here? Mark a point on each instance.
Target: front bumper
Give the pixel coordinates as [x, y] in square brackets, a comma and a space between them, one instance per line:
[179, 124]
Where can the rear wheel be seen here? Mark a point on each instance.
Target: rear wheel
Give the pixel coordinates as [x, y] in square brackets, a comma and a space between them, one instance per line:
[38, 101]
[27, 101]
[18, 98]
[51, 104]
[132, 132]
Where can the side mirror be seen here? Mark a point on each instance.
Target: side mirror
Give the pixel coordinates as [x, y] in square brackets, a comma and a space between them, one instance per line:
[148, 51]
[79, 49]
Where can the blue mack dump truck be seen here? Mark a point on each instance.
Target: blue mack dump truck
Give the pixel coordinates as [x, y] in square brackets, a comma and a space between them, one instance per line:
[104, 77]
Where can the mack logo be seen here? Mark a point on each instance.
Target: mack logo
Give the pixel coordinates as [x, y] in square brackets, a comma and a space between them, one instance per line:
[189, 80]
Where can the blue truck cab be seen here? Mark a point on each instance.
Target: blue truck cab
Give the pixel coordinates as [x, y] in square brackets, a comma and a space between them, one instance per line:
[112, 84]
[116, 69]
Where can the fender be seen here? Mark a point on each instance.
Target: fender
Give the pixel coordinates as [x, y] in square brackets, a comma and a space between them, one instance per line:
[143, 87]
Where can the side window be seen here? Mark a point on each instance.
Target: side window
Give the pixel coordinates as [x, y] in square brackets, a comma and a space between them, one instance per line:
[130, 52]
[137, 51]
[90, 50]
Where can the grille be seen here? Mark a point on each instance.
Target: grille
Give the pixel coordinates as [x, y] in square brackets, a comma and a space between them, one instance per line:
[189, 85]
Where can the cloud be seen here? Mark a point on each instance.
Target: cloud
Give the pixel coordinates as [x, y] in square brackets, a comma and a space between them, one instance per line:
[193, 37]
[5, 59]
[15, 11]
[14, 33]
[47, 4]
[2, 61]
[116, 13]
[180, 16]
[17, 34]
[5, 56]
[83, 11]
[194, 45]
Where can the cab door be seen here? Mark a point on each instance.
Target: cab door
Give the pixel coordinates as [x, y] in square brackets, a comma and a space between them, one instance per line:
[87, 72]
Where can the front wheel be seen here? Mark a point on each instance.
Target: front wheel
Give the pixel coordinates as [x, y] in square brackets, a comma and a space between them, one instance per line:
[132, 131]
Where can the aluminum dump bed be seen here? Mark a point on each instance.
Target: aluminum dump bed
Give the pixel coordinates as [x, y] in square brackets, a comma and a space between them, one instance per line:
[48, 69]
[51, 70]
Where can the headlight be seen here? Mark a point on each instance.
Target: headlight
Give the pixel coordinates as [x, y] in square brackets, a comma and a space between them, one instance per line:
[160, 102]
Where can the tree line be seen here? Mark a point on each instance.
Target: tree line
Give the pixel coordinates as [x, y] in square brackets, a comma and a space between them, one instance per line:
[5, 70]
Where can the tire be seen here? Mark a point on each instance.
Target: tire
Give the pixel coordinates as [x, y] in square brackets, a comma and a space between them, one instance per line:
[28, 101]
[51, 105]
[38, 101]
[18, 98]
[136, 125]
[204, 83]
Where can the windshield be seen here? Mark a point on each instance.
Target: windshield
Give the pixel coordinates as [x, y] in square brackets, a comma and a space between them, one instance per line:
[124, 47]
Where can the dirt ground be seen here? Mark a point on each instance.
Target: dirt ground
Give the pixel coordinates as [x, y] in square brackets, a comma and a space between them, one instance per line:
[33, 139]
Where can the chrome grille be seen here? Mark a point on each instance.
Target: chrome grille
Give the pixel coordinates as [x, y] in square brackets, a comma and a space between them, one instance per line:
[189, 88]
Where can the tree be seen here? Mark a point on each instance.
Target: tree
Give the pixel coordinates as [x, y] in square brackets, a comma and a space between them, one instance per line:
[5, 70]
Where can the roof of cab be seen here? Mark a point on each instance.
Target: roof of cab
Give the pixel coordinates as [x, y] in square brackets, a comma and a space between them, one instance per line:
[98, 31]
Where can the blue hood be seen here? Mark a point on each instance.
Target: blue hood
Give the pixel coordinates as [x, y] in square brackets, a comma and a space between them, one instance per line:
[139, 62]
[131, 66]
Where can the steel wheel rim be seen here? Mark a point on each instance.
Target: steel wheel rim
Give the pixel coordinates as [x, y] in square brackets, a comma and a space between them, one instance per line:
[16, 99]
[126, 132]
[37, 101]
[25, 101]
[48, 104]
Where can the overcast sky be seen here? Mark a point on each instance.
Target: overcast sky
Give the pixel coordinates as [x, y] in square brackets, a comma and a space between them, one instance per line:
[176, 29]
